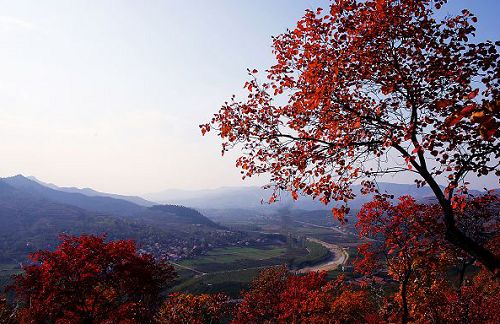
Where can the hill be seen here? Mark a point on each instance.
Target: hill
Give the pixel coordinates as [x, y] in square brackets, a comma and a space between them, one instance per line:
[153, 214]
[93, 193]
[99, 204]
[29, 222]
[32, 217]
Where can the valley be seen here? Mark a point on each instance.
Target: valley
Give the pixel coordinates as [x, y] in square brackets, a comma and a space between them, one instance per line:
[306, 248]
[212, 249]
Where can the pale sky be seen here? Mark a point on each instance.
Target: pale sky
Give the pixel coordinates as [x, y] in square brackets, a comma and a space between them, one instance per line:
[109, 94]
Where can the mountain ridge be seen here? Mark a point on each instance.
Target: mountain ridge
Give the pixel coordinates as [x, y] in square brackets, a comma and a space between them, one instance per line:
[107, 205]
[251, 197]
[33, 216]
[93, 193]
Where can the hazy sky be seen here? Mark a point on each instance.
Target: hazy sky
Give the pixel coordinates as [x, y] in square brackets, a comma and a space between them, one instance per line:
[109, 94]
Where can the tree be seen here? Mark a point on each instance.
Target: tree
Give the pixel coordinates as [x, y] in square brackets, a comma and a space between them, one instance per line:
[7, 315]
[86, 280]
[261, 303]
[408, 243]
[309, 298]
[194, 309]
[366, 83]
[303, 299]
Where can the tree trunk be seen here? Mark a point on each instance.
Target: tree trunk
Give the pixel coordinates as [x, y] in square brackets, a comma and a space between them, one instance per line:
[457, 237]
[404, 300]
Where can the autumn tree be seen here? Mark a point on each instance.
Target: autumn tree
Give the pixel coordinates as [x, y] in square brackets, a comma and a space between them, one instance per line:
[7, 315]
[408, 243]
[261, 302]
[369, 88]
[88, 280]
[479, 218]
[310, 298]
[182, 308]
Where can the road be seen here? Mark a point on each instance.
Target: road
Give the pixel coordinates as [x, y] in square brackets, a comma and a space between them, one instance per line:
[199, 273]
[321, 226]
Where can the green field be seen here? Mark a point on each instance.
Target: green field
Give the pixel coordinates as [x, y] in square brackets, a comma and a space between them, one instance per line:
[317, 253]
[232, 254]
[233, 258]
[232, 269]
[229, 282]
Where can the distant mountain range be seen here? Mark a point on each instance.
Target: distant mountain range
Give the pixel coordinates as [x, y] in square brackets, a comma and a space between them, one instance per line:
[93, 193]
[252, 197]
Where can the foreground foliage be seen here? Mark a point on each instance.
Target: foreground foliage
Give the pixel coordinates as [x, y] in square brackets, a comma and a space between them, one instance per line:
[409, 250]
[90, 281]
[277, 296]
[195, 309]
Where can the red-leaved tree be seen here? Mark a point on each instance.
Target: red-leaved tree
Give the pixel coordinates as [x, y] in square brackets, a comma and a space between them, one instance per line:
[194, 309]
[6, 312]
[369, 88]
[261, 303]
[408, 243]
[309, 298]
[87, 280]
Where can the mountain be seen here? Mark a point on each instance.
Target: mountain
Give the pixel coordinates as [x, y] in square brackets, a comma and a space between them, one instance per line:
[169, 214]
[251, 197]
[29, 222]
[107, 205]
[93, 193]
[32, 217]
[99, 204]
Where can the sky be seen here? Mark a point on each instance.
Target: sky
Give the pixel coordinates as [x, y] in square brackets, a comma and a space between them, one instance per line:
[109, 94]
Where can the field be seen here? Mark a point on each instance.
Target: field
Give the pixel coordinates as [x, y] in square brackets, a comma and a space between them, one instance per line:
[230, 282]
[234, 254]
[231, 269]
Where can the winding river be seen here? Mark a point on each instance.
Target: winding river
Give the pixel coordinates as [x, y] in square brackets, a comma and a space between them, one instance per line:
[339, 257]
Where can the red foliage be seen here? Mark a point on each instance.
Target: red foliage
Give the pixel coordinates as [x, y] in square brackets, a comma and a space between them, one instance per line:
[261, 303]
[365, 80]
[6, 312]
[304, 299]
[408, 241]
[194, 309]
[88, 280]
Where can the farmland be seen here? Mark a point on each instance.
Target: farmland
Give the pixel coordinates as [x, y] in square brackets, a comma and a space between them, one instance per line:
[230, 269]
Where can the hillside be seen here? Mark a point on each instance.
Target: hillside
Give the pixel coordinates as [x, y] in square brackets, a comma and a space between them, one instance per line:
[32, 217]
[93, 193]
[29, 223]
[107, 205]
[168, 214]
